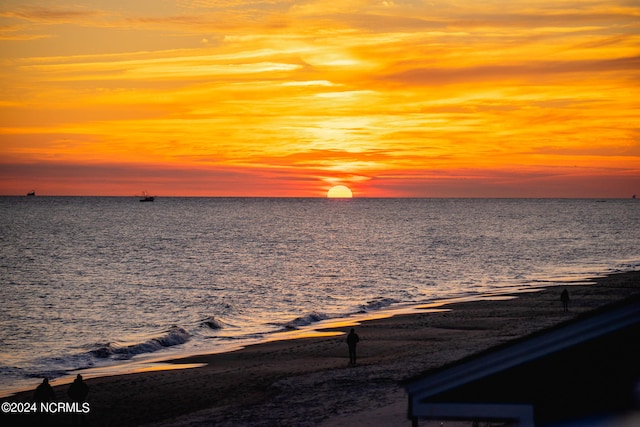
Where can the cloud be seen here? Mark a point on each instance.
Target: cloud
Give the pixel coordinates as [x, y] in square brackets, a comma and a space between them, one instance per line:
[541, 182]
[613, 150]
[432, 76]
[285, 92]
[56, 15]
[122, 179]
[19, 33]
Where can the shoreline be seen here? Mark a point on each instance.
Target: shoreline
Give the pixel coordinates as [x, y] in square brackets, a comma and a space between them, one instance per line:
[307, 381]
[158, 362]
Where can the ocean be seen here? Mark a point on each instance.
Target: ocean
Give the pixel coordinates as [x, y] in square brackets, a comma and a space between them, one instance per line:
[99, 282]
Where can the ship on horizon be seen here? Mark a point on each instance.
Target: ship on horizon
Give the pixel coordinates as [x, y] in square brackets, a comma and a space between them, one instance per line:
[146, 197]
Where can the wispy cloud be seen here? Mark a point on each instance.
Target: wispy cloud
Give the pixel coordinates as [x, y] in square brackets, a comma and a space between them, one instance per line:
[535, 69]
[55, 15]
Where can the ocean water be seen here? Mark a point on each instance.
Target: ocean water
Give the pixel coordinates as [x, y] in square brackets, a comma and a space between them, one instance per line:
[89, 282]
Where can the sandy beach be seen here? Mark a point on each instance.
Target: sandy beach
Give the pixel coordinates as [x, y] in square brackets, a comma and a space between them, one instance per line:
[308, 382]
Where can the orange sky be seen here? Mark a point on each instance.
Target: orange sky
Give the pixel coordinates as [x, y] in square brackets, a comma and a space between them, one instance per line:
[435, 98]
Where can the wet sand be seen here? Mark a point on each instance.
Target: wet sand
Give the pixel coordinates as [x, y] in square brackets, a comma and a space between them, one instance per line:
[308, 382]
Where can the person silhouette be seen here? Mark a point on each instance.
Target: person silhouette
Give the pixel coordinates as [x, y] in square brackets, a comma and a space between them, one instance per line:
[564, 297]
[44, 392]
[43, 395]
[352, 340]
[78, 392]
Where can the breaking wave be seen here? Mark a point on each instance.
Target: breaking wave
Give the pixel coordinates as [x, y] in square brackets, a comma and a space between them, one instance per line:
[378, 304]
[173, 336]
[211, 323]
[305, 320]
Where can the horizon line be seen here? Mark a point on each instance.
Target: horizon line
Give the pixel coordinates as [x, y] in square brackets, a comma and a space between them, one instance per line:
[632, 197]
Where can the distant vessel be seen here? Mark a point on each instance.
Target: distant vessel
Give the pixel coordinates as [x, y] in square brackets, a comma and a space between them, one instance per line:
[146, 197]
[31, 193]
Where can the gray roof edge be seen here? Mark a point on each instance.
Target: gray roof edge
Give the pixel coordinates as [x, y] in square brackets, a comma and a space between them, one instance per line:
[524, 350]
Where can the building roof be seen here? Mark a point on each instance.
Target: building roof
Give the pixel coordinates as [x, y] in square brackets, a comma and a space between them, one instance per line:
[580, 368]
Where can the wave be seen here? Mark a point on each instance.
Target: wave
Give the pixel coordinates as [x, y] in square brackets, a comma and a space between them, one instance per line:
[49, 374]
[173, 336]
[314, 317]
[51, 366]
[378, 304]
[13, 371]
[305, 320]
[212, 323]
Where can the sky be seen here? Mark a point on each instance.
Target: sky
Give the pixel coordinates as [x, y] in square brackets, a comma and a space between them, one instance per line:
[285, 98]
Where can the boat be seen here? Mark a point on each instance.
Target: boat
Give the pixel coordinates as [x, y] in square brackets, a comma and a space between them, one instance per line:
[146, 197]
[31, 193]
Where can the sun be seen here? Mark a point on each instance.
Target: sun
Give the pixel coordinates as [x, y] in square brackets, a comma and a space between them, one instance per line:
[339, 192]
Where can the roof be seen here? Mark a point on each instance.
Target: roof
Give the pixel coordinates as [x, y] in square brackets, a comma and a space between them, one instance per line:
[591, 358]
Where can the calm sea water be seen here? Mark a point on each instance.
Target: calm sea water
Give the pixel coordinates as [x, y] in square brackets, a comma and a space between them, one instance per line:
[86, 282]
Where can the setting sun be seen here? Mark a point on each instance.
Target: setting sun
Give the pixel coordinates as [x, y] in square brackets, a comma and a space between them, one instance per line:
[339, 192]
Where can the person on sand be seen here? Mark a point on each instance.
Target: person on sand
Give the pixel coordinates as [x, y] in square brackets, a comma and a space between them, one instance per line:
[564, 297]
[352, 341]
[43, 395]
[44, 392]
[78, 391]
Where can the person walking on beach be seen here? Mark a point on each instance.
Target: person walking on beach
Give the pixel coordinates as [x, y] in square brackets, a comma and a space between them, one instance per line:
[564, 297]
[352, 340]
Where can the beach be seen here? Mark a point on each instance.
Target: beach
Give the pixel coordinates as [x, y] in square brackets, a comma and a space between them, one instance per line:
[309, 382]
